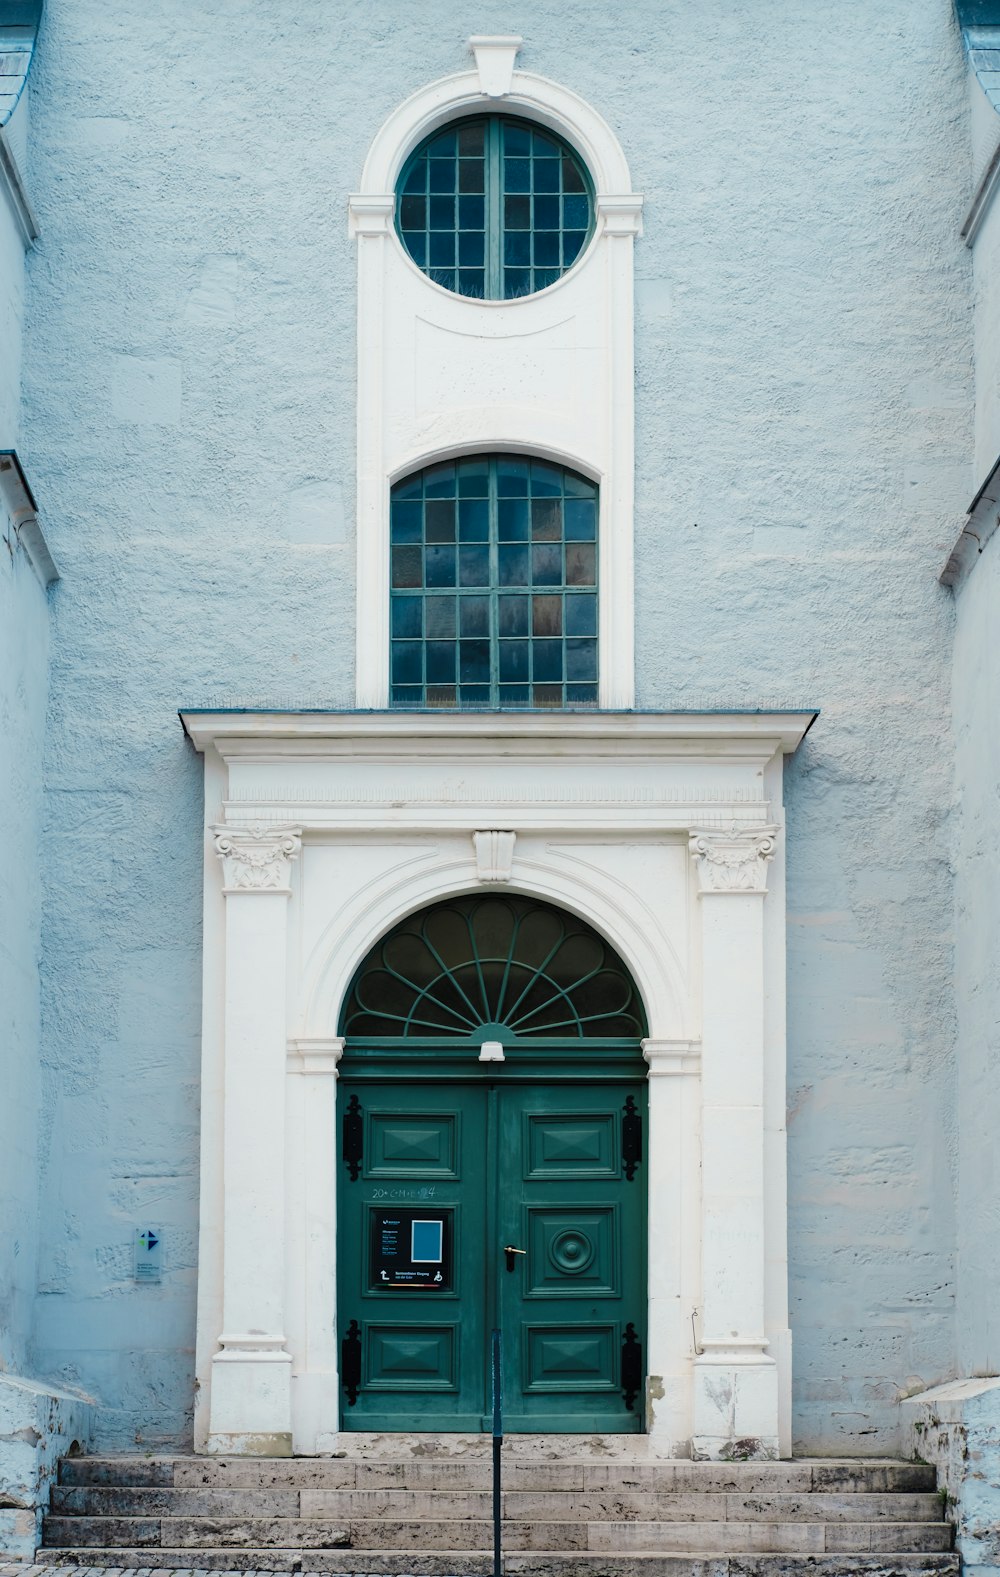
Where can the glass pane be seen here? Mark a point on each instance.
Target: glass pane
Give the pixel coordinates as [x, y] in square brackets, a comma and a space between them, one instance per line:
[546, 615]
[440, 662]
[472, 282]
[517, 175]
[546, 564]
[546, 213]
[473, 478]
[473, 520]
[513, 562]
[513, 660]
[513, 615]
[512, 477]
[581, 564]
[474, 566]
[581, 659]
[517, 213]
[470, 138]
[547, 249]
[413, 213]
[406, 566]
[442, 695]
[441, 213]
[471, 175]
[546, 519]
[441, 249]
[406, 616]
[442, 175]
[546, 176]
[440, 519]
[474, 662]
[547, 660]
[406, 662]
[440, 566]
[512, 519]
[516, 282]
[581, 615]
[440, 617]
[439, 481]
[517, 248]
[546, 695]
[581, 519]
[471, 215]
[474, 617]
[516, 138]
[515, 695]
[407, 520]
[546, 480]
[471, 249]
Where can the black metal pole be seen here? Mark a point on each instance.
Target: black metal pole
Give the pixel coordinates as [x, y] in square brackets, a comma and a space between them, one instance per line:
[497, 1443]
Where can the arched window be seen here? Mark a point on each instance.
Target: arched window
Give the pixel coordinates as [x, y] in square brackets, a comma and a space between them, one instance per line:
[494, 585]
[494, 207]
[509, 967]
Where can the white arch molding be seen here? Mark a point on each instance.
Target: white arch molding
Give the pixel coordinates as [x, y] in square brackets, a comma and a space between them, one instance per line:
[614, 910]
[552, 373]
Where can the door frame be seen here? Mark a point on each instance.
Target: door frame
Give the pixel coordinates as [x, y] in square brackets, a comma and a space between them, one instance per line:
[664, 832]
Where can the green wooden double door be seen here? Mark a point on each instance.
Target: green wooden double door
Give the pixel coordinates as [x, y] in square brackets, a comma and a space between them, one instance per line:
[468, 1207]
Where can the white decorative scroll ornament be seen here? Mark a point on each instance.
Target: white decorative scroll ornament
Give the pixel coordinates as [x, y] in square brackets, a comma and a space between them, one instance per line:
[733, 859]
[257, 858]
[494, 855]
[495, 58]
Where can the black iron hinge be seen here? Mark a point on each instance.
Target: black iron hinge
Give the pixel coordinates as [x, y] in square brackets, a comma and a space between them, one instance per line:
[350, 1362]
[631, 1366]
[631, 1138]
[354, 1137]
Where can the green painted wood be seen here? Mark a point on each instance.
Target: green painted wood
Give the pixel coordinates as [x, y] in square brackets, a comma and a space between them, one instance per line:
[521, 1164]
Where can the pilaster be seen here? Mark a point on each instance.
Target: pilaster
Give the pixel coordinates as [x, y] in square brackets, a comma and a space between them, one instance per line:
[312, 1240]
[251, 1373]
[673, 1168]
[736, 1380]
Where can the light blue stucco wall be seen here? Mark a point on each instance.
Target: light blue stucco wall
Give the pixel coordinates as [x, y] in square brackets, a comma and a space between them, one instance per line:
[24, 639]
[804, 422]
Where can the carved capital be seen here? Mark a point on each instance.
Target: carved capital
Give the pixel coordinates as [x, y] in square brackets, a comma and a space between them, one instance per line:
[733, 859]
[257, 858]
[494, 855]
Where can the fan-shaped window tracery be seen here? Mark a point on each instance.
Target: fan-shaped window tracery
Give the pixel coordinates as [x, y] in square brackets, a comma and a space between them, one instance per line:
[508, 965]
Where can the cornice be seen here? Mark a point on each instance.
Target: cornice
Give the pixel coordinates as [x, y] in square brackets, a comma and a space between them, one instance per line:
[437, 735]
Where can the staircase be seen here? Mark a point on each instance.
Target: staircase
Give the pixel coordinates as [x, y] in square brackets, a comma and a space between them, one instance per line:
[581, 1506]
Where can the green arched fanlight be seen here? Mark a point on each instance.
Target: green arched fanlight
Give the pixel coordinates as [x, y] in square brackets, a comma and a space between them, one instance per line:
[494, 207]
[511, 965]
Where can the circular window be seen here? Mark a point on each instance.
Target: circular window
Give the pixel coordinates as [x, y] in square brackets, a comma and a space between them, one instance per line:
[494, 208]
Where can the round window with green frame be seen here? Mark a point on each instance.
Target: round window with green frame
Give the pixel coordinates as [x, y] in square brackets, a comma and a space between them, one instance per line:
[494, 208]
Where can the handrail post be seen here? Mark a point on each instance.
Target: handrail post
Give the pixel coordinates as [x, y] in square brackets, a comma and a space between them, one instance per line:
[497, 1373]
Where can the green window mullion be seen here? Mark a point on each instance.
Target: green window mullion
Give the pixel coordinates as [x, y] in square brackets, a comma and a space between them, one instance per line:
[494, 586]
[494, 210]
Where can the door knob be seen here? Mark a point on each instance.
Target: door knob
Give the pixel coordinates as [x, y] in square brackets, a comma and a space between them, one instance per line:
[510, 1251]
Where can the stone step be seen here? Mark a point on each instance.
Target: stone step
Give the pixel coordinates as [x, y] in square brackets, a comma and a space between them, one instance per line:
[537, 1472]
[389, 1533]
[470, 1563]
[612, 1504]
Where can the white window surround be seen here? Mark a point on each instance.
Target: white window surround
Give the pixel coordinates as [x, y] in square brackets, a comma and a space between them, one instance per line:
[551, 374]
[665, 832]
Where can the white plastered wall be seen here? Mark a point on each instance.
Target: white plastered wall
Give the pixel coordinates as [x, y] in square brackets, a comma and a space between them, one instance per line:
[665, 833]
[551, 374]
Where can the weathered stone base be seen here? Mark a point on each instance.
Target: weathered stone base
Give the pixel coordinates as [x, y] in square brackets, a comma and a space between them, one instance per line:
[37, 1426]
[957, 1428]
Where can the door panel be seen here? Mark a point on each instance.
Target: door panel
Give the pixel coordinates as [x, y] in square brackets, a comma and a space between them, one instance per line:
[564, 1197]
[419, 1307]
[449, 1177]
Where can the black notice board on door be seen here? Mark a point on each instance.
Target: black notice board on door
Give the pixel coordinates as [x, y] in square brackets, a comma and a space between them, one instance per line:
[411, 1250]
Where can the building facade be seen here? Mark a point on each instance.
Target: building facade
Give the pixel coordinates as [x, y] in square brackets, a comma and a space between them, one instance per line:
[532, 455]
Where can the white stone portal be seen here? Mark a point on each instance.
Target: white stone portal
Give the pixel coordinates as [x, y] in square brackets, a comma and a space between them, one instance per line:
[664, 832]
